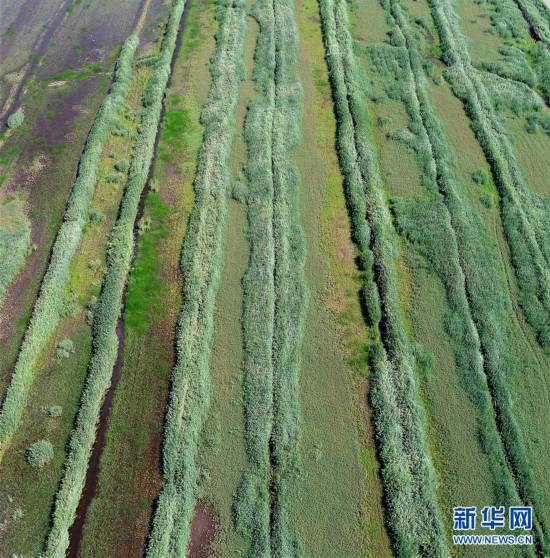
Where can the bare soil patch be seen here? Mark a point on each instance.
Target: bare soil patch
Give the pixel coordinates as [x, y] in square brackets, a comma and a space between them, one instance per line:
[204, 529]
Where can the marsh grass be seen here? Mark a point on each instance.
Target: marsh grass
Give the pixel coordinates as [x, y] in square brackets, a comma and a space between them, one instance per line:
[201, 263]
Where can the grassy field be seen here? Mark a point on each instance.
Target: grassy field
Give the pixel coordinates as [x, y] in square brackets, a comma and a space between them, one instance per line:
[53, 372]
[222, 449]
[283, 294]
[462, 468]
[338, 461]
[121, 511]
[39, 159]
[43, 169]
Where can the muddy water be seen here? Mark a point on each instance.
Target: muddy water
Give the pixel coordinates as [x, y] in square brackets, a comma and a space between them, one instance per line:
[92, 475]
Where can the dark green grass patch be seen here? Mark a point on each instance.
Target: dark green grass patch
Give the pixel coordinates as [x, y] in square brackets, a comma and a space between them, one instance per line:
[177, 127]
[145, 288]
[88, 70]
[175, 99]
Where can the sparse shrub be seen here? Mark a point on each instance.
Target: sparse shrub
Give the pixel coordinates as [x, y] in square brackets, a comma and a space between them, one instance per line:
[537, 121]
[65, 348]
[121, 131]
[95, 216]
[212, 439]
[513, 67]
[40, 454]
[144, 225]
[146, 60]
[94, 265]
[16, 119]
[71, 306]
[480, 176]
[17, 514]
[122, 166]
[422, 22]
[509, 94]
[132, 114]
[239, 192]
[487, 199]
[531, 126]
[113, 178]
[154, 185]
[55, 411]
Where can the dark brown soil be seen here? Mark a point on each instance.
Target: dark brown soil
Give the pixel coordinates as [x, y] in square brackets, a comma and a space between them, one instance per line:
[66, 108]
[204, 530]
[90, 486]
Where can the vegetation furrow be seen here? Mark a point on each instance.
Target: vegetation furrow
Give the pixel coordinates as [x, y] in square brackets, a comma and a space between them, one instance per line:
[48, 306]
[523, 219]
[528, 261]
[274, 289]
[451, 235]
[537, 17]
[202, 260]
[525, 19]
[258, 319]
[290, 289]
[413, 516]
[106, 314]
[526, 51]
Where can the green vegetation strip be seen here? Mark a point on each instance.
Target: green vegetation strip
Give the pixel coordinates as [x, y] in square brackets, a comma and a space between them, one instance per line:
[107, 311]
[48, 305]
[523, 27]
[409, 480]
[531, 266]
[274, 289]
[15, 241]
[202, 260]
[537, 16]
[527, 231]
[453, 238]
